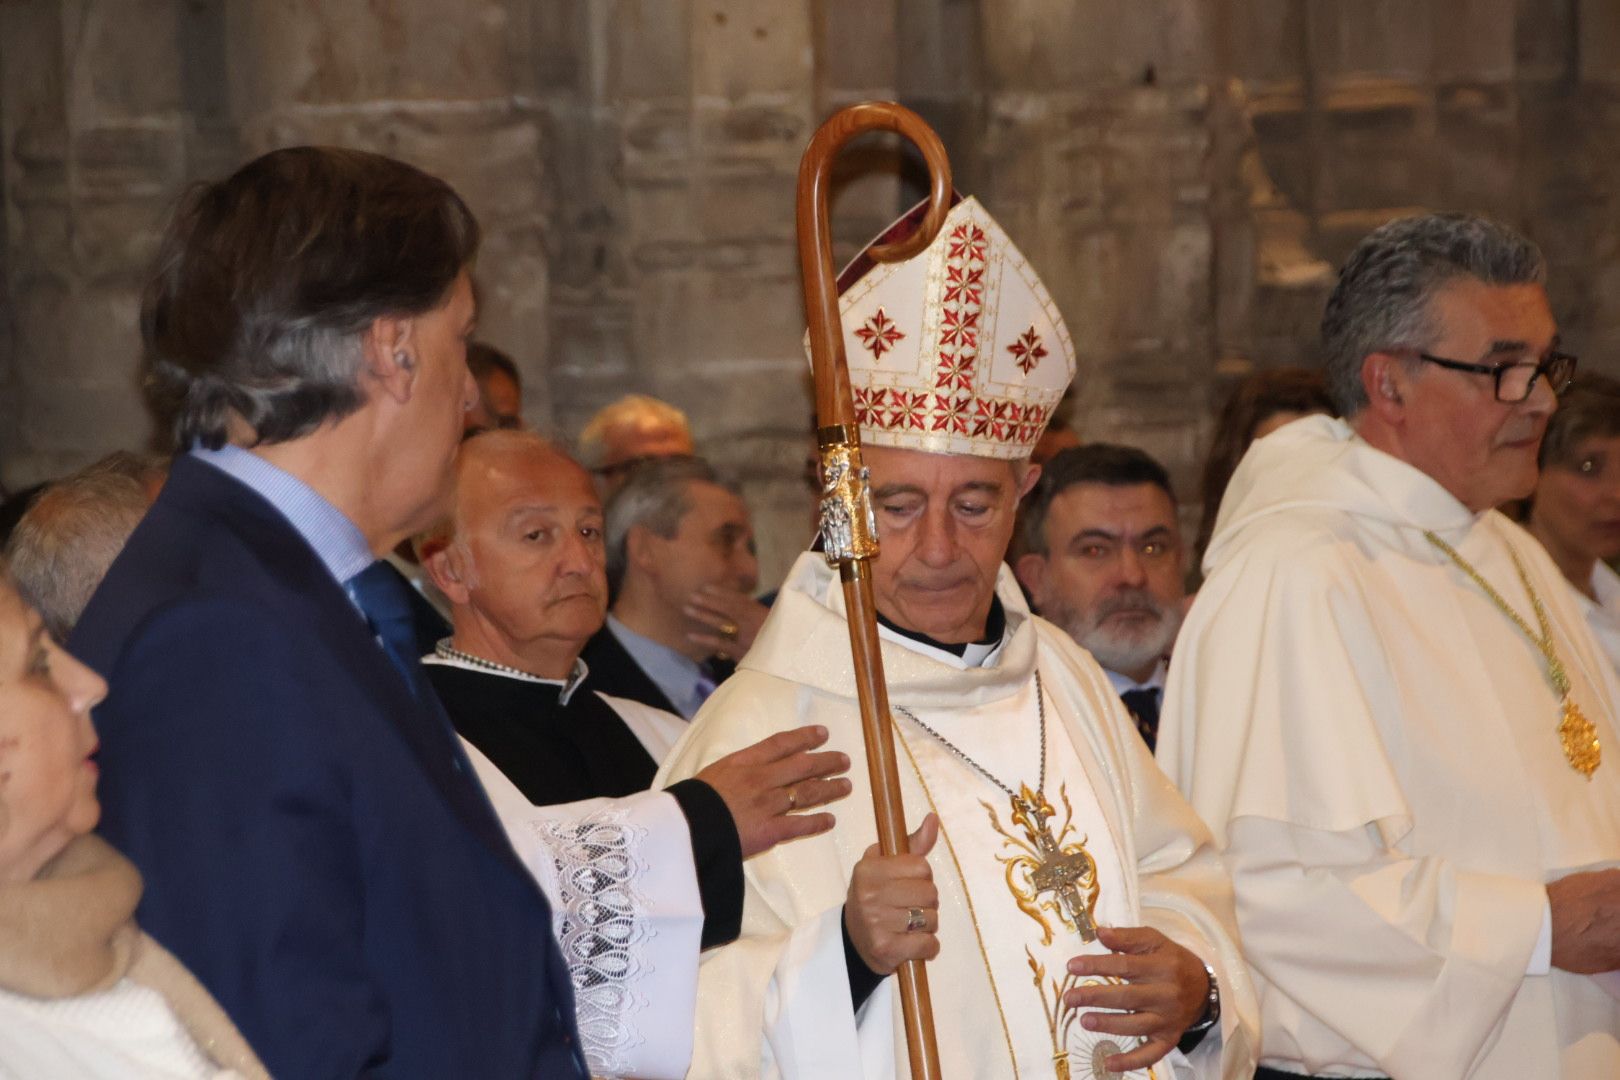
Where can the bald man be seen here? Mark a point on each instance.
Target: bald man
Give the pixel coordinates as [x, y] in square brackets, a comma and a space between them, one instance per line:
[633, 429]
[521, 562]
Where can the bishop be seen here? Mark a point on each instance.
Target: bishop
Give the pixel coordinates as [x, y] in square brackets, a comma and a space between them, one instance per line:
[957, 357]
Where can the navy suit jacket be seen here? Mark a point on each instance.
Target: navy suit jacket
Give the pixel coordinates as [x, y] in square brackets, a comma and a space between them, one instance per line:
[313, 848]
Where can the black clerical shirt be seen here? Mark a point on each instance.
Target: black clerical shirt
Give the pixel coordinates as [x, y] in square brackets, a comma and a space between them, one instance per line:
[561, 751]
[552, 751]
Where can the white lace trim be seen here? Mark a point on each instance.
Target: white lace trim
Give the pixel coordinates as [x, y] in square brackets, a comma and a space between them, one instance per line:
[602, 922]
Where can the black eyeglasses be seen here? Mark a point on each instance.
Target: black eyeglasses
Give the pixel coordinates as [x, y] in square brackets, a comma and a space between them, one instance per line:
[1515, 379]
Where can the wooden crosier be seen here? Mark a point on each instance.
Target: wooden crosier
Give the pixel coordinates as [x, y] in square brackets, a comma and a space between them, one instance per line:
[849, 529]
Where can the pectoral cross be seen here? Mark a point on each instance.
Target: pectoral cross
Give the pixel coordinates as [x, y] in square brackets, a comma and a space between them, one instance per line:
[1058, 872]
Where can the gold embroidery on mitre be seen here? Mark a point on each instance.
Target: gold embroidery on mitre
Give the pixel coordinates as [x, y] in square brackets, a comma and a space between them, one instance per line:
[1048, 873]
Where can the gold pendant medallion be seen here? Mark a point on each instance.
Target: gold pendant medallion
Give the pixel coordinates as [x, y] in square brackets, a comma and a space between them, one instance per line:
[1580, 741]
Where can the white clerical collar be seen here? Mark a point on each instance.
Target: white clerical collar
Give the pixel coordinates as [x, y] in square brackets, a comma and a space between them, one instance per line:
[1123, 683]
[467, 662]
[976, 654]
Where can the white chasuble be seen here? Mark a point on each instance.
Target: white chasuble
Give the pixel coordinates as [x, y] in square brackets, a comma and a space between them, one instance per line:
[1375, 745]
[776, 1003]
[998, 855]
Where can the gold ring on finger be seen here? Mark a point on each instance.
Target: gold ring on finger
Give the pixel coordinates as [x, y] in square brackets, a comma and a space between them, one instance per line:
[793, 799]
[729, 630]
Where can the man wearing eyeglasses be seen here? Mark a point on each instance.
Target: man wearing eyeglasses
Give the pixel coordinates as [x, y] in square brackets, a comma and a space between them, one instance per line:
[1387, 706]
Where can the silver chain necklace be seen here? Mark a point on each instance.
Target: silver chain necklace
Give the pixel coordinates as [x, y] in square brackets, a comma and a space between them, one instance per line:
[1068, 873]
[1040, 706]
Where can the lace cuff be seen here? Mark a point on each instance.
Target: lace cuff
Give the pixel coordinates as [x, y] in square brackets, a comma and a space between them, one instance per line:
[603, 923]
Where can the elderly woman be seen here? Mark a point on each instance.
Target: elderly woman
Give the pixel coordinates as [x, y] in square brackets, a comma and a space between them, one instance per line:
[83, 993]
[1575, 511]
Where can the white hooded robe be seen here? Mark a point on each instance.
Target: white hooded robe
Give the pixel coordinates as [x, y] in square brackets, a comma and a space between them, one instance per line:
[1374, 745]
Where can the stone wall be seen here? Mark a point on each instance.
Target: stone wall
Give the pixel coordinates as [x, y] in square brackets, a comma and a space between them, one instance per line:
[1182, 172]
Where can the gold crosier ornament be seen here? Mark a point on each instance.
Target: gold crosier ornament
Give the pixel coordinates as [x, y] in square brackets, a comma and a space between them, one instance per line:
[1576, 733]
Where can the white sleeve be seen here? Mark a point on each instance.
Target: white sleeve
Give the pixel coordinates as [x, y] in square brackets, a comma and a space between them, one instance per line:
[1423, 960]
[627, 912]
[797, 983]
[1541, 955]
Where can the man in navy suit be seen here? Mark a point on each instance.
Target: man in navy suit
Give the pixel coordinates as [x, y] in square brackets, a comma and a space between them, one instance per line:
[315, 846]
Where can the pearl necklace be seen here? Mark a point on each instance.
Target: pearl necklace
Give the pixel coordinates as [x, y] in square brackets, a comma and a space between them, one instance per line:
[444, 651]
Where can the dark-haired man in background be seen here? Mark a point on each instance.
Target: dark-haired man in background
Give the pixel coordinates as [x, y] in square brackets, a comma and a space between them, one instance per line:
[315, 845]
[1104, 561]
[681, 567]
[500, 388]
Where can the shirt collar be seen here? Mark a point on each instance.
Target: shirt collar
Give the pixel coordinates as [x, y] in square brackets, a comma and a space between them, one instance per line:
[336, 540]
[1122, 683]
[675, 674]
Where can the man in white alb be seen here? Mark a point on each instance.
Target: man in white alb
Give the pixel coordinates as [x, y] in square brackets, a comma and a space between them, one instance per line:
[1070, 877]
[1387, 707]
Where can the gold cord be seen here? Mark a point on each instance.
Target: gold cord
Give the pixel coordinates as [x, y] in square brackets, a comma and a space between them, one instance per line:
[1576, 734]
[950, 848]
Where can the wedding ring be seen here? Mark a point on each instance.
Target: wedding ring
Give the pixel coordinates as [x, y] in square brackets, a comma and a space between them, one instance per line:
[916, 920]
[793, 799]
[728, 630]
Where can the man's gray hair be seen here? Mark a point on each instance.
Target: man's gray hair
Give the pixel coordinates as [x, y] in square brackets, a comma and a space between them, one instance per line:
[593, 445]
[654, 497]
[266, 282]
[1381, 302]
[65, 543]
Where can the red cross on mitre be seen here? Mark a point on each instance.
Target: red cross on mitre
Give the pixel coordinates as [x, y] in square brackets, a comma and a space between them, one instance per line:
[879, 334]
[1027, 350]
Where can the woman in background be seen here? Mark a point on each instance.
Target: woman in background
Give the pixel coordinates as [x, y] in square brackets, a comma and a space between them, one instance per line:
[1258, 405]
[1575, 511]
[83, 993]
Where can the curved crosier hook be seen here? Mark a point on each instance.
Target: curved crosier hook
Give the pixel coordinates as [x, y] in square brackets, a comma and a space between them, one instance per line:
[848, 527]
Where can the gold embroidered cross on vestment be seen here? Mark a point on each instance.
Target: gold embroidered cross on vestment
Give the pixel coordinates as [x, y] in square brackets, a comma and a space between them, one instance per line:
[1045, 873]
[1048, 873]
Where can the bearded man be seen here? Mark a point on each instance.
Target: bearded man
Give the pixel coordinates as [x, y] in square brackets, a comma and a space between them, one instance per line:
[1105, 562]
[1007, 731]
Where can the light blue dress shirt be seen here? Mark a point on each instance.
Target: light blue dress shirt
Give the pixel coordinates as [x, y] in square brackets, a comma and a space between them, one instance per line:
[337, 541]
[676, 675]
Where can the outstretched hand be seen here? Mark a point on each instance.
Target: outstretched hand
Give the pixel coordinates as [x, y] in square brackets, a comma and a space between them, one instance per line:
[766, 785]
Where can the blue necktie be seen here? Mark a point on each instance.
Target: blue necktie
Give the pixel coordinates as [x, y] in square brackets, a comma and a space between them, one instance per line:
[379, 589]
[1144, 706]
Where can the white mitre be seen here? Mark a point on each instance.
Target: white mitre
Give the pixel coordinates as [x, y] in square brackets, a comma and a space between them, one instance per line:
[956, 350]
